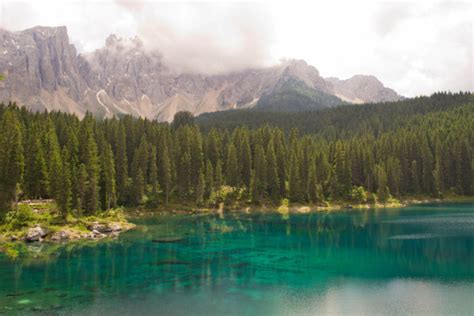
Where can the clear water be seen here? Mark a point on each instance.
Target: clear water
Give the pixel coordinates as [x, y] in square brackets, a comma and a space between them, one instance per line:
[417, 260]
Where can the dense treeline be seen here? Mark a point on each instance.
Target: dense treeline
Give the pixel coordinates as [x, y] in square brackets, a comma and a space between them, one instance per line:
[88, 165]
[339, 122]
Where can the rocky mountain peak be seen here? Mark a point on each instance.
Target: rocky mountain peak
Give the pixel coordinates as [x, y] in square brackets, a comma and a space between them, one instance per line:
[44, 71]
[363, 88]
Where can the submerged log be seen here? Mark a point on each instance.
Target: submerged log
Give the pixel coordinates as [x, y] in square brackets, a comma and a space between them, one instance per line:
[168, 239]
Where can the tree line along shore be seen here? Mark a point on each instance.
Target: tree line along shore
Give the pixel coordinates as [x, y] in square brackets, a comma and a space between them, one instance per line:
[90, 166]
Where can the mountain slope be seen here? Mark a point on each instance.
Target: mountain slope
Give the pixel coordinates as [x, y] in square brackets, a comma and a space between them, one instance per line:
[294, 95]
[340, 121]
[44, 72]
[360, 89]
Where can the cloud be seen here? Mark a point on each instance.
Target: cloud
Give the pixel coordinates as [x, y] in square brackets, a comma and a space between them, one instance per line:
[426, 50]
[414, 47]
[205, 37]
[17, 15]
[389, 15]
[131, 5]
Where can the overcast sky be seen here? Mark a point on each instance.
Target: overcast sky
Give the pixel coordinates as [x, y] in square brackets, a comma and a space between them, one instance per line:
[415, 48]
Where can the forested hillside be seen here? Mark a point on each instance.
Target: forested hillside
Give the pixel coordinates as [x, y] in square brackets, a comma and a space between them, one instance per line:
[342, 121]
[293, 96]
[352, 153]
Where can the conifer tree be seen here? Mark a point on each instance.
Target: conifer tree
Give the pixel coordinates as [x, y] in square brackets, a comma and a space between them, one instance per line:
[109, 177]
[201, 186]
[313, 186]
[273, 183]
[36, 173]
[281, 162]
[254, 188]
[184, 175]
[65, 193]
[427, 166]
[81, 188]
[165, 170]
[382, 189]
[138, 187]
[415, 179]
[11, 160]
[121, 164]
[260, 166]
[293, 179]
[246, 160]
[232, 173]
[153, 172]
[90, 160]
[209, 180]
[218, 177]
[54, 158]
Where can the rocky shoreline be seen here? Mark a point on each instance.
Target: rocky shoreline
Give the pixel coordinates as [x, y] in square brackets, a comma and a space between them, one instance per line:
[40, 234]
[95, 231]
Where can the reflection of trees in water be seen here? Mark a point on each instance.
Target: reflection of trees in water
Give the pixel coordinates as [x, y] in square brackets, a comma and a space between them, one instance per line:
[243, 250]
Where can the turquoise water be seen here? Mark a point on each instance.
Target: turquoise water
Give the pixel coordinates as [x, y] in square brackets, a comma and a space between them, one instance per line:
[417, 260]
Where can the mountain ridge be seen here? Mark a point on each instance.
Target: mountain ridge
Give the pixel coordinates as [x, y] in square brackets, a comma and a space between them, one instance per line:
[45, 72]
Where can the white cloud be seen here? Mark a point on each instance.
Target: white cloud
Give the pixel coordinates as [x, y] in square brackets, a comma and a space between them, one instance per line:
[413, 47]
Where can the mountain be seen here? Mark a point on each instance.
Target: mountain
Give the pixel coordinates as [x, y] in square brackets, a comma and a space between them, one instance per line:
[44, 72]
[361, 89]
[295, 96]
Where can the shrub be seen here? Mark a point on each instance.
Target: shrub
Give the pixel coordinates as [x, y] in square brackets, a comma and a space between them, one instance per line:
[21, 216]
[371, 198]
[358, 195]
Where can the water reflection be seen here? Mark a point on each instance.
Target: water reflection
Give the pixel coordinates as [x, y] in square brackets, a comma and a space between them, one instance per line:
[252, 258]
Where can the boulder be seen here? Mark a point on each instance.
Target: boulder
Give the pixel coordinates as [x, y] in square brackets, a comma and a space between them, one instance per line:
[96, 226]
[35, 234]
[114, 227]
[61, 235]
[98, 234]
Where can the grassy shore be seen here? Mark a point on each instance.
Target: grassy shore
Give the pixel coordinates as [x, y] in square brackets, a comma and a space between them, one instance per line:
[286, 206]
[40, 221]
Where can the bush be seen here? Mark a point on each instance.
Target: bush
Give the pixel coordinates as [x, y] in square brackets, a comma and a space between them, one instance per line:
[116, 214]
[358, 195]
[371, 198]
[19, 217]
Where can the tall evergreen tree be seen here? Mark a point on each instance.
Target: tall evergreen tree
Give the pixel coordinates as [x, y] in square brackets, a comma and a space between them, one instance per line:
[218, 176]
[294, 179]
[232, 173]
[201, 186]
[209, 180]
[153, 172]
[108, 168]
[65, 192]
[273, 182]
[165, 170]
[382, 189]
[121, 163]
[12, 162]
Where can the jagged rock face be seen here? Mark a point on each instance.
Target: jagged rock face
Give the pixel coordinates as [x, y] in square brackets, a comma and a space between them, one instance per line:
[361, 88]
[44, 71]
[40, 65]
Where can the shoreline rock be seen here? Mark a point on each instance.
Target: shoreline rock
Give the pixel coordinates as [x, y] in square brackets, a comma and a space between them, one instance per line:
[35, 233]
[96, 231]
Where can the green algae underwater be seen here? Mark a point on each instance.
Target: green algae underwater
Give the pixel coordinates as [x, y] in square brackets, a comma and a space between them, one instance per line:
[414, 260]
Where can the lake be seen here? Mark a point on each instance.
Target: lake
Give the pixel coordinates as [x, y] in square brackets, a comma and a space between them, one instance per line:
[415, 260]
